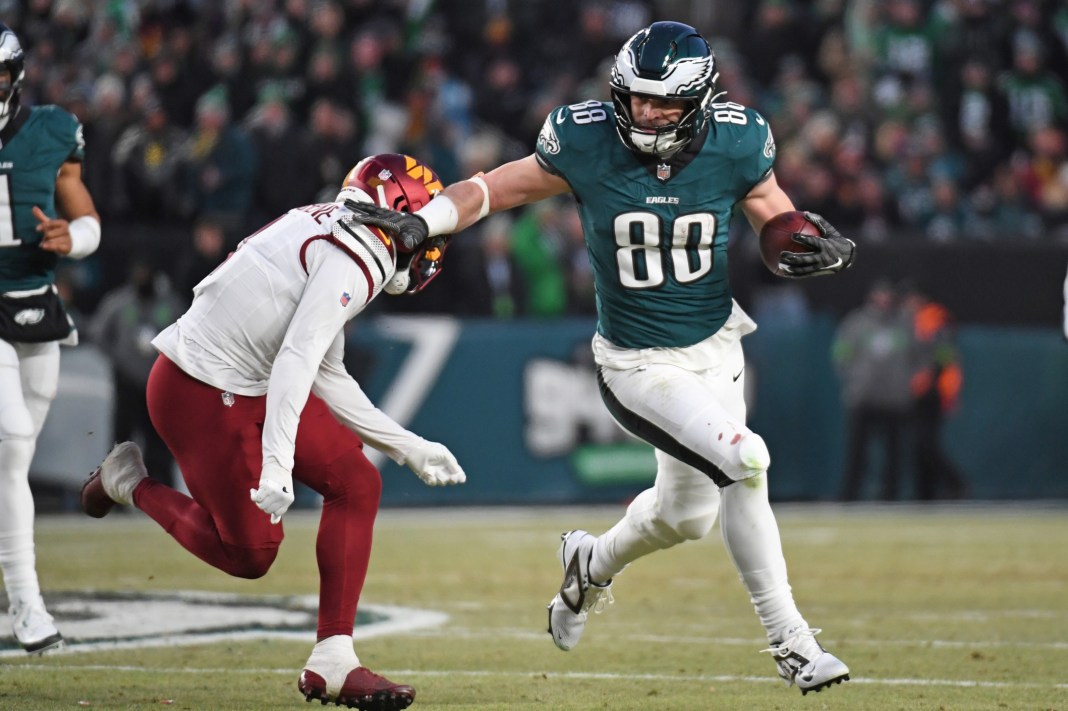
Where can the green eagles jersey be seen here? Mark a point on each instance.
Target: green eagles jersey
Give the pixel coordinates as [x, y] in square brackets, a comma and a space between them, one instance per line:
[658, 245]
[35, 143]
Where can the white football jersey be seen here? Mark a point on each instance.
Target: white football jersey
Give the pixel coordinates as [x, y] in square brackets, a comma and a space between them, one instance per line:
[270, 319]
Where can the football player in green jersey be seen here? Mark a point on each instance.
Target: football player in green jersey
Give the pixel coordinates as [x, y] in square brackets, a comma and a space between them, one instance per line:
[656, 174]
[45, 213]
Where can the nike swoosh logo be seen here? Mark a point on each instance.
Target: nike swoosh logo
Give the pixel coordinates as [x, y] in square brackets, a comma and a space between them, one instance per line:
[560, 118]
[739, 375]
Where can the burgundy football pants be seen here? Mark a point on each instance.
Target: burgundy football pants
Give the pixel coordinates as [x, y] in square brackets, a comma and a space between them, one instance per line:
[215, 438]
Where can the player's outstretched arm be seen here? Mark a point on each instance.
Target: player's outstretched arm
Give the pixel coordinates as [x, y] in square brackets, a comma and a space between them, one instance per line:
[432, 462]
[464, 203]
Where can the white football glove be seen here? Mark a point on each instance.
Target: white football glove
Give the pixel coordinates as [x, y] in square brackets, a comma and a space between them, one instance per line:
[434, 464]
[275, 494]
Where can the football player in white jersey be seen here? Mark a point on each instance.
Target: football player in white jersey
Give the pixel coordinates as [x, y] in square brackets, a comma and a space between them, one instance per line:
[249, 393]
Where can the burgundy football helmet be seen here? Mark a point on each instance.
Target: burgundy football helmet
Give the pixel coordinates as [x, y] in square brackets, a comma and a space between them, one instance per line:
[402, 183]
[391, 180]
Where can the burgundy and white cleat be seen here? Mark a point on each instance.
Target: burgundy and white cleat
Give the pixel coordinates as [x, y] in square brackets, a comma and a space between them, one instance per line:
[363, 689]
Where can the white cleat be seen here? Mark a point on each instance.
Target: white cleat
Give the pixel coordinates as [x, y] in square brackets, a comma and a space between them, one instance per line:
[802, 661]
[571, 606]
[121, 471]
[33, 626]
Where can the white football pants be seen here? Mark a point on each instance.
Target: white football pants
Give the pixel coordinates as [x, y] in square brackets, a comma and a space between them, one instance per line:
[29, 377]
[708, 463]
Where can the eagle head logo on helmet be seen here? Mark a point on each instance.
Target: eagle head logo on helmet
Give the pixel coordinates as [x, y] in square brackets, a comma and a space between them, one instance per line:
[399, 182]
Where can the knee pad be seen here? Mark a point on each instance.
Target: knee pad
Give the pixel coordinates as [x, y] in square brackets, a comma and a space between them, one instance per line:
[753, 454]
[750, 457]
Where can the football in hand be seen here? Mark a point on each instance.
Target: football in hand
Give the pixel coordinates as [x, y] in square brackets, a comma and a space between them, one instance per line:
[777, 236]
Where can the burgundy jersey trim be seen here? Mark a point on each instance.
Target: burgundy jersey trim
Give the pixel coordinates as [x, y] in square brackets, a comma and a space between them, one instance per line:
[358, 237]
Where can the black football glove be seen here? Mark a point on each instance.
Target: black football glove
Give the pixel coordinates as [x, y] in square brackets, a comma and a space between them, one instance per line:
[409, 230]
[833, 252]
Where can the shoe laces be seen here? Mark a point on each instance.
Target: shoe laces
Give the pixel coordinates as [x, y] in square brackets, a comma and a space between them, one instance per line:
[794, 640]
[598, 597]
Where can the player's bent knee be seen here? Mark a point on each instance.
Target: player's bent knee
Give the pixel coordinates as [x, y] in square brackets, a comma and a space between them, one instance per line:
[250, 563]
[753, 455]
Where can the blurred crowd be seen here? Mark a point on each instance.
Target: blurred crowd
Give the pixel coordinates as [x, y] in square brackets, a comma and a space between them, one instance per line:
[938, 120]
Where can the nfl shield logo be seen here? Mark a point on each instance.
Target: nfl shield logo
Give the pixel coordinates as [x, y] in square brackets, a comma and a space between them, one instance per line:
[663, 171]
[228, 399]
[345, 298]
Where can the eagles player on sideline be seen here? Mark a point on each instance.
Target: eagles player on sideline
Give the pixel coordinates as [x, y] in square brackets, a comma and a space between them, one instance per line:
[250, 392]
[656, 175]
[41, 150]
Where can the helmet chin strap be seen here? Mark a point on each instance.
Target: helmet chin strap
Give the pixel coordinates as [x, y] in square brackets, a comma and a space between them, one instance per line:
[5, 113]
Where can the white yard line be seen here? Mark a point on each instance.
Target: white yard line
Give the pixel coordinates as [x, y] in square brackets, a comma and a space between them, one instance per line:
[610, 676]
[518, 633]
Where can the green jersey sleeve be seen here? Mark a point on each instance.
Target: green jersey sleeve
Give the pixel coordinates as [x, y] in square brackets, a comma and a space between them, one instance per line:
[64, 131]
[574, 135]
[753, 152]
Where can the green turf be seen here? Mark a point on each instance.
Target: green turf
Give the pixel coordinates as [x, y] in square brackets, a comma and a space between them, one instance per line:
[946, 608]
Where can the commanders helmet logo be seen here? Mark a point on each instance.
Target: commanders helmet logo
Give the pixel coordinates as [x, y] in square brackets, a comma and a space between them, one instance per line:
[418, 171]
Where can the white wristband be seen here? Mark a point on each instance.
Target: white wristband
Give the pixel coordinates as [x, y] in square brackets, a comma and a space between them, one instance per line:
[441, 216]
[477, 180]
[84, 236]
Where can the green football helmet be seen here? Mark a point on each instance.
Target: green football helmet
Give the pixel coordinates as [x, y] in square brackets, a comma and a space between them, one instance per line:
[12, 59]
[666, 60]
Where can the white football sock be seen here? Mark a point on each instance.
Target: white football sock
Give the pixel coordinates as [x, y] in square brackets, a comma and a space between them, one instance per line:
[751, 536]
[17, 557]
[332, 659]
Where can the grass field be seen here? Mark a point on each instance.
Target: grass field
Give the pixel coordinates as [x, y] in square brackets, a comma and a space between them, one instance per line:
[945, 608]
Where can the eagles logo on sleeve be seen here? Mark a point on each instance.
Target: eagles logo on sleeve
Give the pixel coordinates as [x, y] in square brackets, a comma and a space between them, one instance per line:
[769, 146]
[547, 140]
